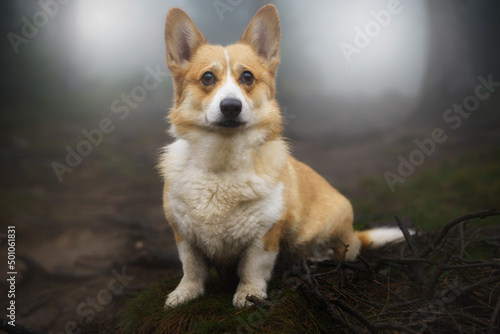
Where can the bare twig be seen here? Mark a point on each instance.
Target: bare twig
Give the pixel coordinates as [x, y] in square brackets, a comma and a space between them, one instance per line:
[473, 280]
[420, 274]
[472, 319]
[475, 286]
[462, 241]
[406, 260]
[472, 265]
[394, 327]
[352, 311]
[342, 265]
[313, 285]
[363, 260]
[409, 239]
[255, 300]
[429, 288]
[494, 317]
[450, 225]
[373, 327]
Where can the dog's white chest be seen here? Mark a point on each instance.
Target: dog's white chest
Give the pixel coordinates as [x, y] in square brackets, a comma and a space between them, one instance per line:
[220, 212]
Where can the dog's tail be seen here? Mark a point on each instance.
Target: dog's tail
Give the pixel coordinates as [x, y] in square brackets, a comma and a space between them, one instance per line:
[381, 236]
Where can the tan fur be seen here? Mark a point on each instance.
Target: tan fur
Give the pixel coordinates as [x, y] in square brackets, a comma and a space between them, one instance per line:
[315, 212]
[364, 238]
[236, 194]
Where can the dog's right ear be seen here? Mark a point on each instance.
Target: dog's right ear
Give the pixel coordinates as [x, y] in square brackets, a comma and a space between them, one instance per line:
[182, 39]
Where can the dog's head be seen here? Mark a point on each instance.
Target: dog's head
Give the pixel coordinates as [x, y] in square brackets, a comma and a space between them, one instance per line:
[227, 90]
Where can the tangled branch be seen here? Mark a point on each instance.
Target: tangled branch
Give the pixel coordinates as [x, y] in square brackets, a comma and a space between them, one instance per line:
[430, 301]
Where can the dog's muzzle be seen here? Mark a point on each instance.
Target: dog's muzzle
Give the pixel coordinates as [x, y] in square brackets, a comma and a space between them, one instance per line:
[230, 108]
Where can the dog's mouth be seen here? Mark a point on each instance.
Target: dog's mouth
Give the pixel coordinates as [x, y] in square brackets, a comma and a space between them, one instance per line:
[230, 124]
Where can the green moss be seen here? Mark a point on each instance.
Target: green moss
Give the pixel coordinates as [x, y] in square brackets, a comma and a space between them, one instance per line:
[284, 312]
[435, 196]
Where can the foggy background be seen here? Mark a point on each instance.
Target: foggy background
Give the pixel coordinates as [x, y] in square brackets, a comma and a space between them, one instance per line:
[349, 114]
[92, 51]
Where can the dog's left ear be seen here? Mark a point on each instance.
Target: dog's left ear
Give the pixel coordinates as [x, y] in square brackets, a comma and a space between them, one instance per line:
[264, 35]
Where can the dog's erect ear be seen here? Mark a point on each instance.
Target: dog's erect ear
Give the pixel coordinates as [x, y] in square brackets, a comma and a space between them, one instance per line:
[182, 38]
[264, 34]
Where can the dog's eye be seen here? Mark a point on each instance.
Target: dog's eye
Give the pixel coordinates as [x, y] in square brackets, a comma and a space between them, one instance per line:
[246, 77]
[208, 78]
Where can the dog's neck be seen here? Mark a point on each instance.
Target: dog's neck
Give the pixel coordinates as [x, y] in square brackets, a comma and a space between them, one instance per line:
[216, 153]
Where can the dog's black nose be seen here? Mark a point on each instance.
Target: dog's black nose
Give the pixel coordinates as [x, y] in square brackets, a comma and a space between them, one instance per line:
[230, 108]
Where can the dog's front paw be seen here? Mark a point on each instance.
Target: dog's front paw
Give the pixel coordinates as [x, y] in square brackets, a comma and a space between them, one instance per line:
[182, 294]
[240, 297]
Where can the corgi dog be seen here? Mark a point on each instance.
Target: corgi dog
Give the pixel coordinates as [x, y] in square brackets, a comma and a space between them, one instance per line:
[232, 192]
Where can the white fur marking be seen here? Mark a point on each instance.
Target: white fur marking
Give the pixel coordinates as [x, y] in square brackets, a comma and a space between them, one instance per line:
[220, 213]
[228, 64]
[385, 235]
[230, 89]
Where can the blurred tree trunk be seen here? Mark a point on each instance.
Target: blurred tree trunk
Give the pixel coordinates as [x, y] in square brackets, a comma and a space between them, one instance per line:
[463, 45]
[449, 70]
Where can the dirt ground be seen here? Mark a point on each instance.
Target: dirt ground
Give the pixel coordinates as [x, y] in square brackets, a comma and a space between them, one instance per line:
[86, 244]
